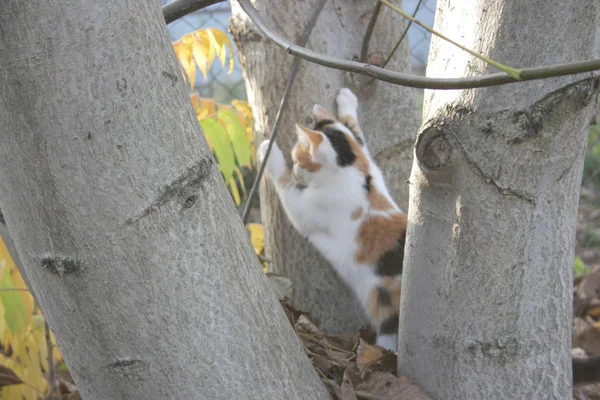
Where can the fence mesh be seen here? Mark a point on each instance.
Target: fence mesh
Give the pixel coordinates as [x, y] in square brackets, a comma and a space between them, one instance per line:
[224, 87]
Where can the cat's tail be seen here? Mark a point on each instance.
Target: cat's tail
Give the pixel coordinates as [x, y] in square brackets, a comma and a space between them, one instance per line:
[586, 369]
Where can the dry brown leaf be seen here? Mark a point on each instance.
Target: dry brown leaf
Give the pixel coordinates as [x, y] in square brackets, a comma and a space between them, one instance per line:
[586, 336]
[367, 355]
[346, 391]
[590, 285]
[305, 325]
[8, 377]
[385, 386]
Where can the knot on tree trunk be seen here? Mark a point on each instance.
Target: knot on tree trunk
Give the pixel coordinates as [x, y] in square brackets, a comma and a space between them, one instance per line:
[433, 150]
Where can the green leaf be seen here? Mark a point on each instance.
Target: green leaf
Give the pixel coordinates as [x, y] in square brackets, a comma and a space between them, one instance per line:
[580, 268]
[237, 134]
[15, 313]
[222, 146]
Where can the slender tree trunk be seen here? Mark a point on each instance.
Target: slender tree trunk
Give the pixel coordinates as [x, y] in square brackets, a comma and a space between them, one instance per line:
[487, 290]
[388, 115]
[126, 231]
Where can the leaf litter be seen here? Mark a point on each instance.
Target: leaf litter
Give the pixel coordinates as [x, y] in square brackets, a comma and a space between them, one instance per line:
[350, 366]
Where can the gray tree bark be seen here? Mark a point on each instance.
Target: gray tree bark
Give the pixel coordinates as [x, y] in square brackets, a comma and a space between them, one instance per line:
[388, 115]
[124, 226]
[487, 291]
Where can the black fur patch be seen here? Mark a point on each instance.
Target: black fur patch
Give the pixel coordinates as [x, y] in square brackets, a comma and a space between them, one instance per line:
[322, 123]
[384, 297]
[390, 325]
[390, 264]
[339, 142]
[359, 140]
[367, 184]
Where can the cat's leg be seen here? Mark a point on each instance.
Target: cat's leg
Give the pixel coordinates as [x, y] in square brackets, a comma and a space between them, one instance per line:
[289, 192]
[383, 306]
[347, 113]
[389, 342]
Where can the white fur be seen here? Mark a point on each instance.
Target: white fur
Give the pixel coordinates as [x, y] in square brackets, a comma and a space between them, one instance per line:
[322, 211]
[389, 342]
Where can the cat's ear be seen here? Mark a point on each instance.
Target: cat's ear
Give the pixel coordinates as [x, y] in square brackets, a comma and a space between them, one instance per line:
[321, 114]
[315, 138]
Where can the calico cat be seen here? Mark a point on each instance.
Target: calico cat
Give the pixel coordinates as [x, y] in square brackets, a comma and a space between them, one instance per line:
[336, 197]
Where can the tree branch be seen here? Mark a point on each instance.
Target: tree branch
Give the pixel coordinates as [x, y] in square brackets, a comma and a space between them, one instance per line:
[288, 87]
[180, 8]
[415, 81]
[364, 54]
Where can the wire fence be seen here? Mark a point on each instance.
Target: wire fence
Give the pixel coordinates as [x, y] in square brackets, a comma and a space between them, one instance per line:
[224, 87]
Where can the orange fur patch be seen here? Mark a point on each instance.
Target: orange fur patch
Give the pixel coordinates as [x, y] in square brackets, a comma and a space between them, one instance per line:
[285, 179]
[315, 137]
[379, 311]
[356, 214]
[378, 201]
[303, 157]
[361, 160]
[352, 124]
[378, 235]
[321, 114]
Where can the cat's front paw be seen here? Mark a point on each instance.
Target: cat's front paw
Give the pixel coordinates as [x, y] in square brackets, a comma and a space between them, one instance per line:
[276, 163]
[347, 102]
[262, 150]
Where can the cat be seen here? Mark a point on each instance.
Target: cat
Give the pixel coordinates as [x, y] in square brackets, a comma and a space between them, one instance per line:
[337, 198]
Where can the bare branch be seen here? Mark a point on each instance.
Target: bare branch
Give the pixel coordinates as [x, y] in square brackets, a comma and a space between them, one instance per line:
[414, 14]
[527, 74]
[364, 54]
[49, 348]
[180, 8]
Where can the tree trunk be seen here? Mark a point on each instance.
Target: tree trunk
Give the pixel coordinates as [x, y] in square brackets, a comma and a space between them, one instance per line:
[487, 291]
[389, 129]
[117, 209]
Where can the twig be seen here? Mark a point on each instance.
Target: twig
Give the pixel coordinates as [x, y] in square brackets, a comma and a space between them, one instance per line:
[290, 81]
[514, 72]
[416, 81]
[264, 259]
[180, 8]
[49, 347]
[364, 53]
[414, 14]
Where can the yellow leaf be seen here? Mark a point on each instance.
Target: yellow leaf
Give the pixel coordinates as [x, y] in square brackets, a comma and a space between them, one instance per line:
[201, 52]
[40, 338]
[26, 296]
[240, 177]
[234, 191]
[184, 53]
[221, 42]
[246, 113]
[256, 237]
[204, 108]
[33, 371]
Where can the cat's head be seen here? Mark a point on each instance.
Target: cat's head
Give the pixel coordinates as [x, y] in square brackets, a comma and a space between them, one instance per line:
[326, 148]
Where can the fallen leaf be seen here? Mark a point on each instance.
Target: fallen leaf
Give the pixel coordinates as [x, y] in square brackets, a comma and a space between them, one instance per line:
[586, 336]
[385, 386]
[590, 285]
[367, 355]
